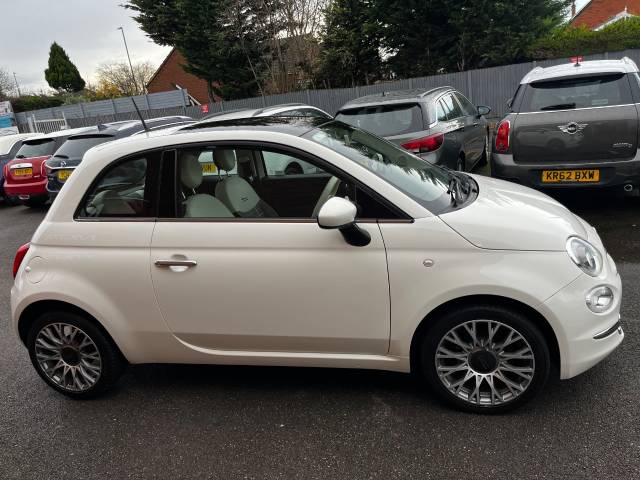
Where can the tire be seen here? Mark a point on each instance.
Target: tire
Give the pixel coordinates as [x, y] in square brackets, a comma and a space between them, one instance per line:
[445, 375]
[293, 168]
[484, 159]
[101, 353]
[36, 202]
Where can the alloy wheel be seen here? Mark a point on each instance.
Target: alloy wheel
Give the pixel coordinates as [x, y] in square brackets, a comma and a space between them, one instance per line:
[485, 362]
[68, 357]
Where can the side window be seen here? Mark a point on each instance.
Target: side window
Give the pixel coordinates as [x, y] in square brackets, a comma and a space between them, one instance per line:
[275, 194]
[467, 107]
[454, 110]
[121, 190]
[443, 112]
[276, 164]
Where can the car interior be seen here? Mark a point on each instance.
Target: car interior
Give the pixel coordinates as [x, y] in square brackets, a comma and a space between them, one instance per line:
[228, 183]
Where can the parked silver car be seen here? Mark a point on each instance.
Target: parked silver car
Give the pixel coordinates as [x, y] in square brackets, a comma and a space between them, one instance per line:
[440, 125]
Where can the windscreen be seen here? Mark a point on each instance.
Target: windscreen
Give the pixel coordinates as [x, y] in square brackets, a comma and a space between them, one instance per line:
[577, 92]
[385, 121]
[424, 182]
[36, 148]
[76, 147]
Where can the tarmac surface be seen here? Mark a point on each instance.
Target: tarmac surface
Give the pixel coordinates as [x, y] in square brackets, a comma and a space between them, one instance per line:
[168, 421]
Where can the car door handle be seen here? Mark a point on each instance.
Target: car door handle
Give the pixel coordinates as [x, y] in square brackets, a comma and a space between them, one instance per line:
[176, 263]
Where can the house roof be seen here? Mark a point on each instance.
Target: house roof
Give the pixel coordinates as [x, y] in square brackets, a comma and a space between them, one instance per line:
[595, 13]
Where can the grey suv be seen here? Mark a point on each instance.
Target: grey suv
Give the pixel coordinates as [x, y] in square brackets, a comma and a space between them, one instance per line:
[440, 125]
[572, 125]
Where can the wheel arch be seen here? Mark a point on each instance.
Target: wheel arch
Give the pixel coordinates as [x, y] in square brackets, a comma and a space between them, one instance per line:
[538, 320]
[35, 309]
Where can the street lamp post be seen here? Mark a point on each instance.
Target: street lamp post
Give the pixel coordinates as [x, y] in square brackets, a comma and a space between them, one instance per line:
[133, 76]
[17, 86]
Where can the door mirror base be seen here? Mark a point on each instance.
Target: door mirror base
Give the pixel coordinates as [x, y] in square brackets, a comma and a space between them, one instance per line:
[355, 235]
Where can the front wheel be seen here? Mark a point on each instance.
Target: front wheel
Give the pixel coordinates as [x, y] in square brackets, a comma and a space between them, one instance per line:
[485, 359]
[72, 355]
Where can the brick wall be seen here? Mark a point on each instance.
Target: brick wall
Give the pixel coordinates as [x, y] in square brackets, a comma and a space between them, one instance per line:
[598, 12]
[171, 73]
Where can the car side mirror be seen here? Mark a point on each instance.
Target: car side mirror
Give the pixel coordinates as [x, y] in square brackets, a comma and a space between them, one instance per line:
[339, 213]
[483, 110]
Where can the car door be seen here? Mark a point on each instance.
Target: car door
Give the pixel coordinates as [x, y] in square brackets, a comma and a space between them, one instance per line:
[267, 284]
[474, 128]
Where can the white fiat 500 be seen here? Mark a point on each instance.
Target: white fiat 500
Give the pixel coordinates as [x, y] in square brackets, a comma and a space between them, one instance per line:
[376, 259]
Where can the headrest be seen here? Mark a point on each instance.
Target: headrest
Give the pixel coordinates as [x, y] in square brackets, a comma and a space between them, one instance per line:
[190, 170]
[224, 159]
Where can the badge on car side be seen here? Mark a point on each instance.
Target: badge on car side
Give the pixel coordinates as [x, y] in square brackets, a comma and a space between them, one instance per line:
[572, 127]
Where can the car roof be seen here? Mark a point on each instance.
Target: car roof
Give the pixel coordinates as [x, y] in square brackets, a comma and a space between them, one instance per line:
[258, 112]
[395, 97]
[296, 126]
[130, 127]
[591, 67]
[60, 133]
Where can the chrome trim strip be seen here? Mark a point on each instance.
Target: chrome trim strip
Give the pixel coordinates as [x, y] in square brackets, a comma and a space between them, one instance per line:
[16, 166]
[581, 108]
[608, 331]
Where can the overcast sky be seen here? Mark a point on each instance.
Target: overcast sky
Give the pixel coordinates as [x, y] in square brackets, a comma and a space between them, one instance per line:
[86, 29]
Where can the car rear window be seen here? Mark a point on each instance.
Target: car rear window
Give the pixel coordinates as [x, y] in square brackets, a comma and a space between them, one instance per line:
[385, 121]
[76, 147]
[36, 148]
[577, 92]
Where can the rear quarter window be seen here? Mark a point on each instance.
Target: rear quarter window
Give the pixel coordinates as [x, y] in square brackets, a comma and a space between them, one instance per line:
[577, 92]
[385, 120]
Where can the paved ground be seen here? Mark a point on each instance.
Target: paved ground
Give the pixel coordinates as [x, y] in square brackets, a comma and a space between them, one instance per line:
[222, 422]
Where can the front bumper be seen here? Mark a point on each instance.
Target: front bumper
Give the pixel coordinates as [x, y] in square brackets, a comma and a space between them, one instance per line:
[585, 338]
[611, 173]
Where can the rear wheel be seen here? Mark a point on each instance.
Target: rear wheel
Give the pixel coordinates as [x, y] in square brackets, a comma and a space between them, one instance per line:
[485, 359]
[72, 355]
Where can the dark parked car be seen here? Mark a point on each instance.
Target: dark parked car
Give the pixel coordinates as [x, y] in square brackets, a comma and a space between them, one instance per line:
[572, 125]
[440, 125]
[61, 165]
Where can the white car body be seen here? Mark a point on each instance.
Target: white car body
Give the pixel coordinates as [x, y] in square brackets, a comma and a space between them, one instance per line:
[293, 294]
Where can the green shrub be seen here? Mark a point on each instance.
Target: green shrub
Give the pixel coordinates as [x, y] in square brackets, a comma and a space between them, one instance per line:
[35, 102]
[568, 41]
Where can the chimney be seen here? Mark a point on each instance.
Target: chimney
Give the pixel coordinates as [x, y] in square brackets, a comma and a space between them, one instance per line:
[573, 9]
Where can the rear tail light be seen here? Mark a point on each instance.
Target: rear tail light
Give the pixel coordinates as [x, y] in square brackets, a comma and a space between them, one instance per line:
[502, 137]
[20, 254]
[426, 144]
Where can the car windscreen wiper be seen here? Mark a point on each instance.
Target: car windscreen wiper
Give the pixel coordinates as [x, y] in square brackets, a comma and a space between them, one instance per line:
[559, 106]
[459, 188]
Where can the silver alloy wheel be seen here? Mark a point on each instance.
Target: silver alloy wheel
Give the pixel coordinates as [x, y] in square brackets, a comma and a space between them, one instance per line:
[68, 357]
[485, 362]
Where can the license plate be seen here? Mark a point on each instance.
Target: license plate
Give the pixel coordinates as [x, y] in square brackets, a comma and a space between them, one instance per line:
[580, 176]
[22, 172]
[63, 175]
[209, 168]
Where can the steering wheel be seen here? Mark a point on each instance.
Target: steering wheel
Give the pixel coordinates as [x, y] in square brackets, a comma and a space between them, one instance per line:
[329, 190]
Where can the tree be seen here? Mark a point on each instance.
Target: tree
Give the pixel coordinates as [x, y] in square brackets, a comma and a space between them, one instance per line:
[6, 84]
[115, 77]
[223, 41]
[62, 74]
[426, 37]
[350, 53]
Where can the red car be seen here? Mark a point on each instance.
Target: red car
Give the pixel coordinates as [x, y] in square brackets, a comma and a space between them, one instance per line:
[25, 176]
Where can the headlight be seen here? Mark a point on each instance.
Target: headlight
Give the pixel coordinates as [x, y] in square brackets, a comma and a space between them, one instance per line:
[585, 256]
[600, 299]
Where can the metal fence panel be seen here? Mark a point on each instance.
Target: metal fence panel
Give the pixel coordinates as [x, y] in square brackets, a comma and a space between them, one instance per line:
[489, 86]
